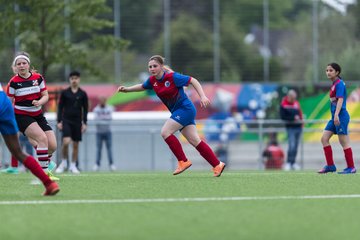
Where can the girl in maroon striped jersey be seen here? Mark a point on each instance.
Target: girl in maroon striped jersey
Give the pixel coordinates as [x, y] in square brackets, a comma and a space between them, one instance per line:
[28, 91]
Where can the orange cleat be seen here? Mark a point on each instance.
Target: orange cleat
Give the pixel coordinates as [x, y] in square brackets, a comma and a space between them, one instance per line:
[218, 169]
[182, 166]
[51, 189]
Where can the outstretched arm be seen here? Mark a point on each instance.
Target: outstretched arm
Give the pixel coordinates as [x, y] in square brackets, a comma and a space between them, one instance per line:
[134, 88]
[204, 101]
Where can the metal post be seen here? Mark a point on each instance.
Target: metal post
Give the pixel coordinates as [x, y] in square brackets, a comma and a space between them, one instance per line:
[261, 139]
[167, 49]
[67, 35]
[302, 151]
[17, 22]
[86, 158]
[266, 53]
[58, 153]
[152, 142]
[2, 152]
[117, 54]
[315, 23]
[216, 37]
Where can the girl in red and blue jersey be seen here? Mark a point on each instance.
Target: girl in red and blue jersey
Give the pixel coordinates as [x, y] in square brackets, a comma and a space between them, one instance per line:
[9, 131]
[169, 87]
[338, 124]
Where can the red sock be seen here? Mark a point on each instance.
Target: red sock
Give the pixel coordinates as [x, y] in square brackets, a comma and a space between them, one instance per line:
[36, 169]
[43, 157]
[349, 157]
[207, 153]
[14, 162]
[176, 147]
[329, 155]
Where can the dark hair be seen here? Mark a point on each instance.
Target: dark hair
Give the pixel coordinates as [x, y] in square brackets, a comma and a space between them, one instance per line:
[336, 67]
[74, 73]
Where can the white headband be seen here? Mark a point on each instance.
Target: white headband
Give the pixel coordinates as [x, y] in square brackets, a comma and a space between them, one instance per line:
[21, 56]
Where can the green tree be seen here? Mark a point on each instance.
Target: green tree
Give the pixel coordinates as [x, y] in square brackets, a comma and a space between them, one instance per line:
[354, 10]
[138, 23]
[192, 51]
[239, 62]
[191, 47]
[247, 13]
[337, 43]
[39, 25]
[336, 38]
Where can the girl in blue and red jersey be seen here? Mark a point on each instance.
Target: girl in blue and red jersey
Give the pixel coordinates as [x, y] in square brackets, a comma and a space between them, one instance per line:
[28, 91]
[169, 87]
[338, 124]
[9, 131]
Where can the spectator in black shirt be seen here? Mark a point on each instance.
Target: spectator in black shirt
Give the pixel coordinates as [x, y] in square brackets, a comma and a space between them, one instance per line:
[72, 119]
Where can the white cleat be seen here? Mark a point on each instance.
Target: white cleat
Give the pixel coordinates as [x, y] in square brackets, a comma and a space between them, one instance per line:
[74, 170]
[61, 168]
[112, 167]
[296, 167]
[287, 167]
[96, 168]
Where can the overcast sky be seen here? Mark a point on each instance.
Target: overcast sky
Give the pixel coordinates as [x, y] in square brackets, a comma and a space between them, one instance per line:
[339, 5]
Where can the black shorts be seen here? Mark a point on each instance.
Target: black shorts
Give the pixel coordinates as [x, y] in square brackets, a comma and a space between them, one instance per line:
[72, 130]
[23, 121]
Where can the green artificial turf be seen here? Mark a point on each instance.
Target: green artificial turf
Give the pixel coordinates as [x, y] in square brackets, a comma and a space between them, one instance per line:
[193, 205]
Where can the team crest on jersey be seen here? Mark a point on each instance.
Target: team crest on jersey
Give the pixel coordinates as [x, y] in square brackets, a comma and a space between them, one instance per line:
[35, 83]
[332, 88]
[167, 84]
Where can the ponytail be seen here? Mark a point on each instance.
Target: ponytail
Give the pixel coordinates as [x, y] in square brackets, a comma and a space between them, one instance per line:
[167, 69]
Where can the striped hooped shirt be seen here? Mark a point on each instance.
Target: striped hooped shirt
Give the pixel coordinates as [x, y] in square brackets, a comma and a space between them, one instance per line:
[24, 91]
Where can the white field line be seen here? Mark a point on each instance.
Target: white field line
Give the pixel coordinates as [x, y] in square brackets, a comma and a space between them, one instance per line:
[168, 200]
[170, 174]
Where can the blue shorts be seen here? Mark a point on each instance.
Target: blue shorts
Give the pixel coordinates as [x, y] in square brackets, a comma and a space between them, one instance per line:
[8, 124]
[341, 129]
[185, 114]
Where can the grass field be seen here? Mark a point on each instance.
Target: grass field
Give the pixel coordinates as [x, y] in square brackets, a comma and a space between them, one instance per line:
[193, 205]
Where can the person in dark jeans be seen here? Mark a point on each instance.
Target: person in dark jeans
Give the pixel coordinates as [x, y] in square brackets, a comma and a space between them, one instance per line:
[291, 113]
[103, 116]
